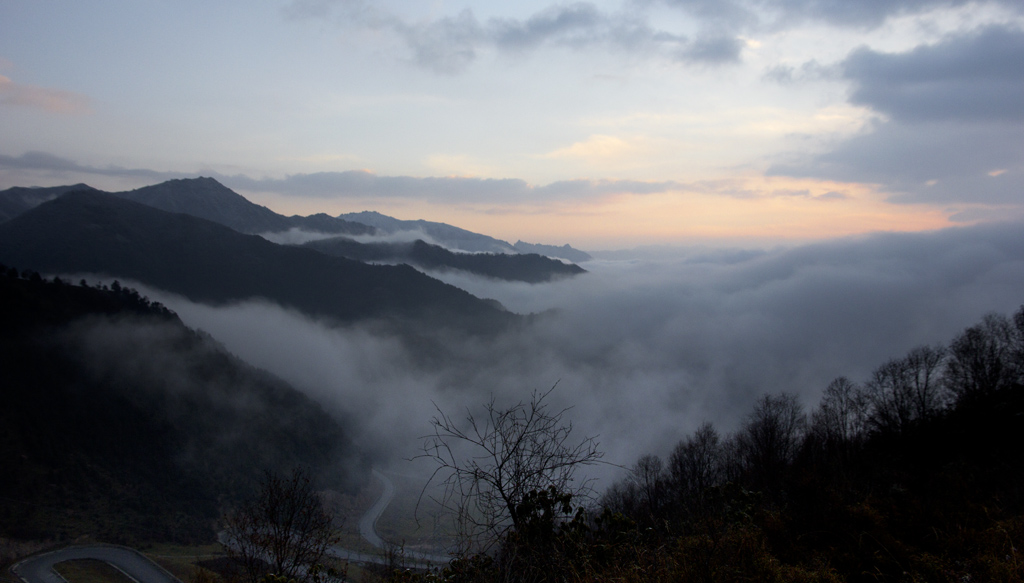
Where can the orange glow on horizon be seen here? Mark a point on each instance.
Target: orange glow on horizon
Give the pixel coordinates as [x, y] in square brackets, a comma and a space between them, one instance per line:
[751, 209]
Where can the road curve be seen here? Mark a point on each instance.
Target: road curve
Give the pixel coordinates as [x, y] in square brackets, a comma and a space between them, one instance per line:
[39, 568]
[368, 523]
[368, 530]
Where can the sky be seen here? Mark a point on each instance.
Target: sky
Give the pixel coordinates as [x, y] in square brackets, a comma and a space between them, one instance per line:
[600, 124]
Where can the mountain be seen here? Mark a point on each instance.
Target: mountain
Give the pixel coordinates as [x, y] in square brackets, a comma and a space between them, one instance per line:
[445, 234]
[531, 268]
[117, 421]
[564, 252]
[92, 232]
[208, 199]
[19, 199]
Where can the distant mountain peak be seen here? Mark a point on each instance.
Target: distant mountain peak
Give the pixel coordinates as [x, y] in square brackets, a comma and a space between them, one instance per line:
[442, 233]
[18, 199]
[563, 252]
[208, 199]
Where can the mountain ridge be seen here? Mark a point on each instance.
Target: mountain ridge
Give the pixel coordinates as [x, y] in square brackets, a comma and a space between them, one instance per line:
[92, 232]
[524, 267]
[207, 198]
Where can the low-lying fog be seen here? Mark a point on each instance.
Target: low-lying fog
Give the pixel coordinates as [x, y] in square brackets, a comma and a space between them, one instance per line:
[647, 349]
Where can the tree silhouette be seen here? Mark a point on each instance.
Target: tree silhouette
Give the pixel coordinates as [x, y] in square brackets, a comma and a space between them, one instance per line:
[283, 531]
[492, 462]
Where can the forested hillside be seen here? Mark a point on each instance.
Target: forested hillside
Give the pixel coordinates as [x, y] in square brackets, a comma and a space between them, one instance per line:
[914, 474]
[119, 422]
[98, 233]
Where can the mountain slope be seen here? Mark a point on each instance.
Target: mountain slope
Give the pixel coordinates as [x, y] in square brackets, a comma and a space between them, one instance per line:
[98, 233]
[119, 422]
[443, 233]
[530, 268]
[564, 252]
[208, 199]
[19, 199]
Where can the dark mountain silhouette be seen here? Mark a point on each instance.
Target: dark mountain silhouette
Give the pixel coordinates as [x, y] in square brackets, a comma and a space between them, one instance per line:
[564, 252]
[531, 268]
[208, 199]
[19, 199]
[84, 232]
[119, 422]
[445, 234]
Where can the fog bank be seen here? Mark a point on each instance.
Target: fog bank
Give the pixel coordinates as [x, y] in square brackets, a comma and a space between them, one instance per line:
[646, 350]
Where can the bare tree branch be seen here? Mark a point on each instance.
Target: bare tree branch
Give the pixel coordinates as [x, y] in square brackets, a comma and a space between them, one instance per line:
[488, 465]
[284, 530]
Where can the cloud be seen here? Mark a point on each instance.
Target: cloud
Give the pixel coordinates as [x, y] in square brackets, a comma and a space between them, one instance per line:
[713, 50]
[360, 183]
[447, 45]
[595, 147]
[953, 128]
[973, 77]
[43, 98]
[556, 22]
[43, 161]
[933, 162]
[645, 350]
[863, 14]
[721, 12]
[809, 71]
[363, 184]
[450, 44]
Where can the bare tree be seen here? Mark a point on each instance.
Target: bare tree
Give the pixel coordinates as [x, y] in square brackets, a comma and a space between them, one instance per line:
[283, 531]
[905, 390]
[491, 462]
[987, 357]
[841, 418]
[770, 436]
[649, 479]
[924, 367]
[696, 463]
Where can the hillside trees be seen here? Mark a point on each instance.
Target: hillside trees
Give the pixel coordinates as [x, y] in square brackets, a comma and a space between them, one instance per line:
[770, 438]
[905, 390]
[987, 356]
[695, 467]
[840, 418]
[892, 480]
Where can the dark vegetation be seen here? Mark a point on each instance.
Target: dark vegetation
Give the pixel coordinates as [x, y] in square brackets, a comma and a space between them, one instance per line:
[283, 531]
[92, 232]
[530, 268]
[118, 422]
[18, 199]
[915, 475]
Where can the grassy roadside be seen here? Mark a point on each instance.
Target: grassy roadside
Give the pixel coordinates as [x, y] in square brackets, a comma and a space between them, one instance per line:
[89, 571]
[180, 560]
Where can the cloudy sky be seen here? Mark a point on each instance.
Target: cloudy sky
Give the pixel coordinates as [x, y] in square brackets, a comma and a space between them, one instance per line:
[603, 124]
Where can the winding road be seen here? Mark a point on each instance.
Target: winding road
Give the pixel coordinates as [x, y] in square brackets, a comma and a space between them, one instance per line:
[39, 568]
[368, 523]
[368, 530]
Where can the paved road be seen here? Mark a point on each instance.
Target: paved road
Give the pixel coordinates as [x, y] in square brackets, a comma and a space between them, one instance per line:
[368, 523]
[39, 568]
[368, 530]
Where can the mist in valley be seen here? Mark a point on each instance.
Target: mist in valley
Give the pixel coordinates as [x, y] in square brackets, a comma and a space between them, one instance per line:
[643, 349]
